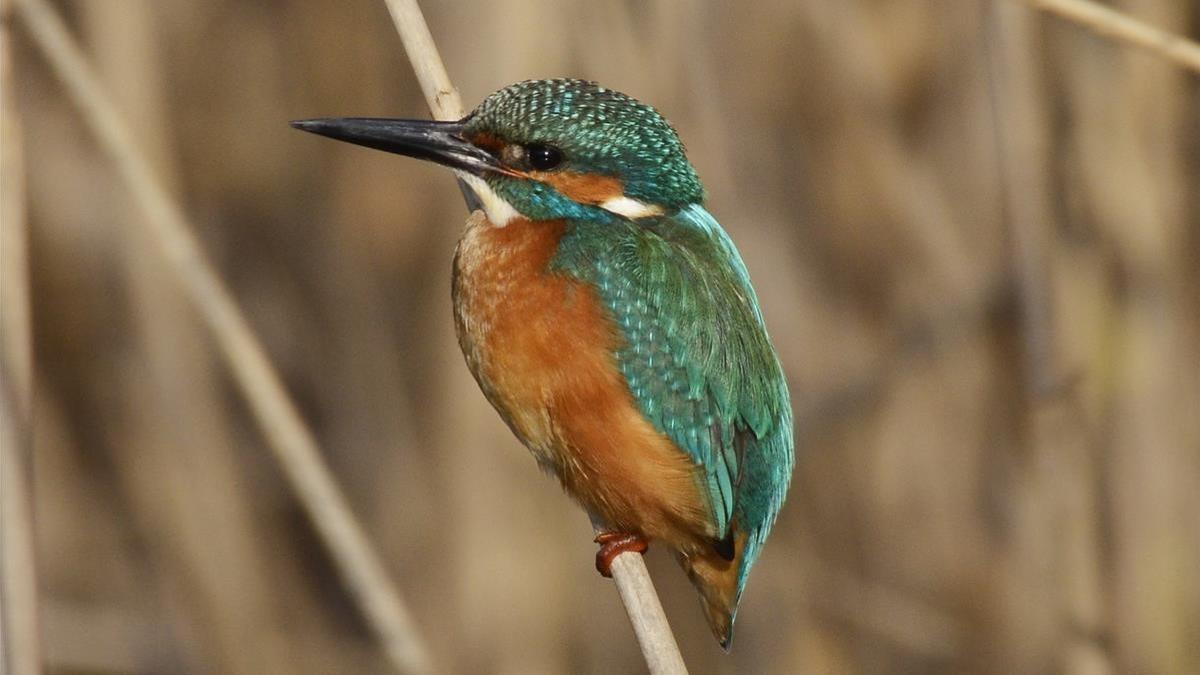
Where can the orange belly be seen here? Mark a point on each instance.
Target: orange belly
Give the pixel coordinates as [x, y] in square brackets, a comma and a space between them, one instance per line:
[541, 345]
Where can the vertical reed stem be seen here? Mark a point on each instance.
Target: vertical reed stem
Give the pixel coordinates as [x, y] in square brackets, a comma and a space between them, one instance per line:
[1063, 467]
[19, 631]
[629, 570]
[287, 434]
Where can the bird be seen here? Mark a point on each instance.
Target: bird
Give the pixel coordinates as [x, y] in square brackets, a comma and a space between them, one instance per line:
[610, 320]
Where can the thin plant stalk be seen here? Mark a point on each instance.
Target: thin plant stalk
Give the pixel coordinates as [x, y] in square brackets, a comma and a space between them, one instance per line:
[20, 640]
[1062, 466]
[288, 436]
[1123, 28]
[629, 572]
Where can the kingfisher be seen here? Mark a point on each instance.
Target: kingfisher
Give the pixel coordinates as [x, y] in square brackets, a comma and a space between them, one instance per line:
[611, 321]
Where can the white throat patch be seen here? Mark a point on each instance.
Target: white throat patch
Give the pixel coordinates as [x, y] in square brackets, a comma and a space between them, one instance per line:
[499, 212]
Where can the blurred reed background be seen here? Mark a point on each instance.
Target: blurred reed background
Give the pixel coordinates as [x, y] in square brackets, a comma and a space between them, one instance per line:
[975, 231]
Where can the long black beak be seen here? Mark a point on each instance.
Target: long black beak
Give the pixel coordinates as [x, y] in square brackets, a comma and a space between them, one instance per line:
[440, 142]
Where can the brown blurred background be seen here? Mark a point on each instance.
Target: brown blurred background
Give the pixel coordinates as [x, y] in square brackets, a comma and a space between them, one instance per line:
[976, 236]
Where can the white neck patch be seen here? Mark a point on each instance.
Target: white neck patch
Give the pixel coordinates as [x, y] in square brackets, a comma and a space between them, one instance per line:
[630, 208]
[499, 212]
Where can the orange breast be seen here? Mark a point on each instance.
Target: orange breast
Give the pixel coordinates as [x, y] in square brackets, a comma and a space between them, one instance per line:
[541, 346]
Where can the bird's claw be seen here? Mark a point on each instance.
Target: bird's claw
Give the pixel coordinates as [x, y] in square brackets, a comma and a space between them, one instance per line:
[613, 544]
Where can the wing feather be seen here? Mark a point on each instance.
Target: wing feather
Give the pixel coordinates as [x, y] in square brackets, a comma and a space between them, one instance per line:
[697, 358]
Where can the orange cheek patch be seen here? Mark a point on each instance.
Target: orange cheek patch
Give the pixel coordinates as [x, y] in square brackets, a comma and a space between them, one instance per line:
[582, 187]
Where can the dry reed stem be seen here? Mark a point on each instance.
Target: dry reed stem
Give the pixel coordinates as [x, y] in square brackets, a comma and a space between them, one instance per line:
[1022, 145]
[1067, 531]
[633, 581]
[442, 97]
[19, 633]
[287, 435]
[646, 614]
[181, 473]
[20, 648]
[17, 335]
[1124, 28]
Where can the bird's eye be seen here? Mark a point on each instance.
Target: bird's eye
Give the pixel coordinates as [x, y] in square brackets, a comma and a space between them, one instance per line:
[543, 157]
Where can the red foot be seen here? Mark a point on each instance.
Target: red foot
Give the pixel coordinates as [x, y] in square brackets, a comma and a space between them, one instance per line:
[613, 544]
